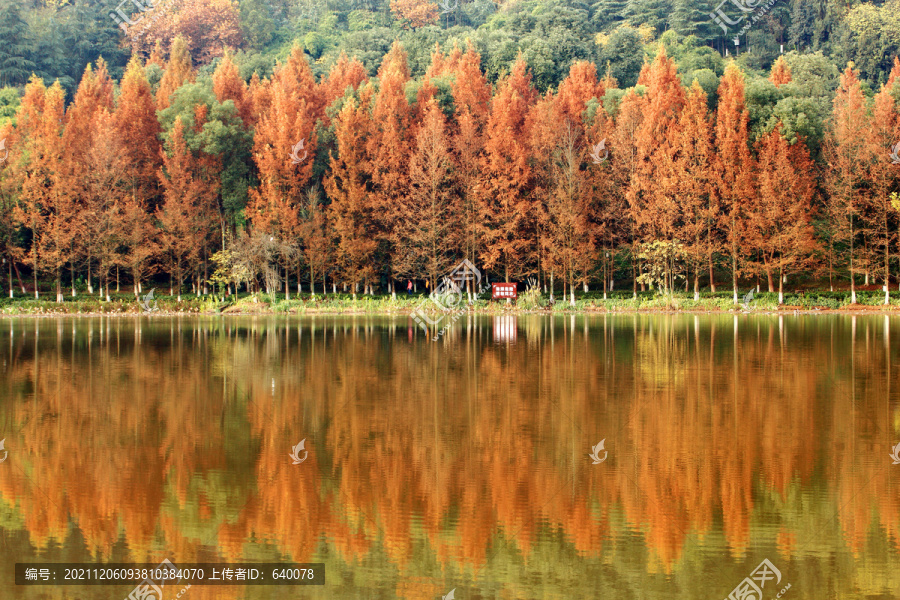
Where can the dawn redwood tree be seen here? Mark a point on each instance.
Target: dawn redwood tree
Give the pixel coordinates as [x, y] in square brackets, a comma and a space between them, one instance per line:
[414, 14]
[105, 199]
[179, 70]
[208, 27]
[316, 235]
[471, 102]
[608, 213]
[389, 147]
[283, 150]
[184, 216]
[882, 175]
[228, 85]
[428, 223]
[344, 73]
[623, 158]
[78, 172]
[9, 192]
[504, 186]
[653, 200]
[45, 207]
[137, 131]
[296, 77]
[845, 154]
[734, 166]
[569, 231]
[692, 171]
[779, 224]
[576, 90]
[781, 72]
[558, 124]
[351, 209]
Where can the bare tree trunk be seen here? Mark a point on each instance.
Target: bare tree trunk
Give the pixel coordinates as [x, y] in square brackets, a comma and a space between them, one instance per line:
[781, 287]
[18, 276]
[734, 275]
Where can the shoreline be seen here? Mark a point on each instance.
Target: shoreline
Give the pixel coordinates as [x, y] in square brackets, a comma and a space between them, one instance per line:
[593, 310]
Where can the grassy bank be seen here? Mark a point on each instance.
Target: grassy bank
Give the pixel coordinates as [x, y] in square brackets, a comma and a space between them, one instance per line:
[125, 304]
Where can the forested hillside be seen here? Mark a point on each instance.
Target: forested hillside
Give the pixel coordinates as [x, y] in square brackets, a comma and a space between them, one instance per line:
[354, 143]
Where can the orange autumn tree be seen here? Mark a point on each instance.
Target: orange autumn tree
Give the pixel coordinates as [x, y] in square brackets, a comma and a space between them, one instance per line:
[183, 218]
[45, 207]
[344, 73]
[565, 213]
[653, 200]
[781, 72]
[780, 218]
[179, 70]
[96, 202]
[351, 210]
[137, 129]
[734, 166]
[883, 133]
[622, 150]
[389, 147]
[471, 101]
[580, 87]
[315, 231]
[844, 151]
[608, 213]
[209, 28]
[228, 85]
[428, 223]
[507, 215]
[692, 173]
[414, 14]
[283, 150]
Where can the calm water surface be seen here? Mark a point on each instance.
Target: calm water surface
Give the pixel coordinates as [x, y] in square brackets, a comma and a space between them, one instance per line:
[463, 463]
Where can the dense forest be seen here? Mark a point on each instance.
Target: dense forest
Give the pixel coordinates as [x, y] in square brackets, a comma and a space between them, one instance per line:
[344, 145]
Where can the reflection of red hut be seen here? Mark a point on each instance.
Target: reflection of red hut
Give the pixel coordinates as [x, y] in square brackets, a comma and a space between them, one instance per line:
[505, 328]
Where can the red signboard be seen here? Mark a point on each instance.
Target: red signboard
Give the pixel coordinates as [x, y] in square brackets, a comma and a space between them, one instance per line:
[499, 291]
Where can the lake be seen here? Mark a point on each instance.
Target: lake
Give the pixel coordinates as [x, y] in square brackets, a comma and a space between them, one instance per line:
[516, 457]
